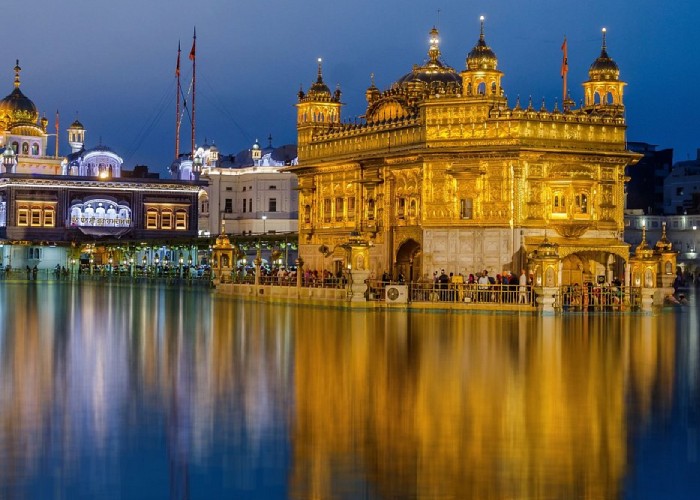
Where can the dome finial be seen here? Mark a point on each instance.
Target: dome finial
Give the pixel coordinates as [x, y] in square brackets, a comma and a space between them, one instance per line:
[434, 51]
[605, 47]
[481, 35]
[17, 70]
[320, 70]
[371, 78]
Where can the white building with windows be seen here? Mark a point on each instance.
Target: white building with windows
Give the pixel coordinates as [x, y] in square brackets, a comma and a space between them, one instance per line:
[247, 193]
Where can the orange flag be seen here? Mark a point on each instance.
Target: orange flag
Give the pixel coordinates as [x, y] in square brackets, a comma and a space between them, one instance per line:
[194, 44]
[565, 59]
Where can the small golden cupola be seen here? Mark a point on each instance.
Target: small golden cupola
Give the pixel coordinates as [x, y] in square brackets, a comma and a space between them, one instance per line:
[603, 88]
[434, 73]
[318, 106]
[643, 250]
[663, 245]
[372, 93]
[482, 77]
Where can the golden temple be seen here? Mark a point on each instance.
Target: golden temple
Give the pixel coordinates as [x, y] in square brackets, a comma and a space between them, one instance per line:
[442, 172]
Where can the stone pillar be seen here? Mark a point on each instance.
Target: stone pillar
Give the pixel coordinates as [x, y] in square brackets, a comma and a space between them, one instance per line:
[358, 285]
[258, 263]
[546, 297]
[300, 272]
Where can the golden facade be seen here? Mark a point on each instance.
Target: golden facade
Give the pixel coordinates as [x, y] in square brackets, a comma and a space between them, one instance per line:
[441, 172]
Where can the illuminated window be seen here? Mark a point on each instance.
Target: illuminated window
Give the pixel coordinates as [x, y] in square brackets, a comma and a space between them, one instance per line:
[401, 208]
[327, 210]
[22, 217]
[351, 208]
[559, 204]
[49, 219]
[35, 149]
[339, 203]
[152, 219]
[25, 148]
[307, 214]
[181, 220]
[581, 203]
[36, 217]
[465, 208]
[166, 220]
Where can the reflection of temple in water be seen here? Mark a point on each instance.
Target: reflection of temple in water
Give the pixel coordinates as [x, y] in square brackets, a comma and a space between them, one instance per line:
[491, 407]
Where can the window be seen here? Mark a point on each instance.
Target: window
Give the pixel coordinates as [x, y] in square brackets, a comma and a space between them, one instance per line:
[49, 219]
[35, 149]
[272, 205]
[250, 204]
[151, 219]
[559, 204]
[465, 208]
[228, 206]
[34, 253]
[244, 205]
[244, 189]
[36, 217]
[401, 208]
[229, 188]
[307, 214]
[327, 210]
[166, 220]
[351, 208]
[23, 217]
[370, 209]
[412, 208]
[273, 187]
[339, 204]
[181, 220]
[25, 148]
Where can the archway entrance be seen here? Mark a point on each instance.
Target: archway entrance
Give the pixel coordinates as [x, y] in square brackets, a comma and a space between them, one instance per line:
[583, 267]
[408, 260]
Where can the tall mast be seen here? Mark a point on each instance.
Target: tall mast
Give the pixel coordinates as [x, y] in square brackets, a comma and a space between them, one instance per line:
[194, 80]
[56, 125]
[177, 105]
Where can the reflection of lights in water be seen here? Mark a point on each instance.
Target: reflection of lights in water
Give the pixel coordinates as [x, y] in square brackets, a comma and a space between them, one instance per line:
[462, 406]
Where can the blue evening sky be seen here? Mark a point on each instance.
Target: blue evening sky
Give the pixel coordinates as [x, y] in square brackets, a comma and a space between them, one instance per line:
[113, 62]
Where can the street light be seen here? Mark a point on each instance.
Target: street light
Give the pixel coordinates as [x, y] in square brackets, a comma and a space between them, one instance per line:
[264, 219]
[9, 159]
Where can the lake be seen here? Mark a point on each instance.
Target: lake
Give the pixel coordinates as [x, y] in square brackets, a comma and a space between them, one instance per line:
[117, 392]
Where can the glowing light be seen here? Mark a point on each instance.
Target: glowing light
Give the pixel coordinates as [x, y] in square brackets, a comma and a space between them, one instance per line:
[481, 18]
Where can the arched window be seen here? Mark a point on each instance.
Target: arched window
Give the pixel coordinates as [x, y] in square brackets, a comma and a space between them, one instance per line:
[307, 214]
[152, 219]
[481, 89]
[166, 219]
[370, 209]
[35, 149]
[25, 148]
[15, 146]
[493, 88]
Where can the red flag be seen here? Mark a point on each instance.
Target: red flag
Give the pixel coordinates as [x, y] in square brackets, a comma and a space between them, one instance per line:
[177, 67]
[194, 44]
[565, 59]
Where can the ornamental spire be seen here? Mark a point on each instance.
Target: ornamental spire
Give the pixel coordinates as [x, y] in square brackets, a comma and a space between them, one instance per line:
[481, 35]
[434, 51]
[17, 70]
[605, 46]
[320, 71]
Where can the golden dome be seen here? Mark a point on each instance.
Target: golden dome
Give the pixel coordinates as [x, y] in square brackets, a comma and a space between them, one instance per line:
[16, 107]
[481, 56]
[319, 91]
[604, 68]
[663, 245]
[434, 70]
[76, 125]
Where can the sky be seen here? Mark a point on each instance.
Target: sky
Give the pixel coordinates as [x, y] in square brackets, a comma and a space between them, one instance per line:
[111, 63]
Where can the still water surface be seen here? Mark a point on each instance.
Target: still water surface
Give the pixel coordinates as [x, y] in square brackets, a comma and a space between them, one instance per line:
[120, 392]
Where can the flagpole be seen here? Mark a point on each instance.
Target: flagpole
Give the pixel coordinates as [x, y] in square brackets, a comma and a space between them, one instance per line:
[177, 105]
[56, 125]
[564, 69]
[193, 57]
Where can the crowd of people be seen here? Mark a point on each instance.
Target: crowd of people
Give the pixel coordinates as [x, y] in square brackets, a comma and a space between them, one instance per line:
[456, 287]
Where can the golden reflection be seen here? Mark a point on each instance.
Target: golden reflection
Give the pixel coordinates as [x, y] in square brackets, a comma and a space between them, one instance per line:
[381, 404]
[445, 406]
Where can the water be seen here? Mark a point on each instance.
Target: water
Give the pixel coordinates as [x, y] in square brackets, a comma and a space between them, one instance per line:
[114, 392]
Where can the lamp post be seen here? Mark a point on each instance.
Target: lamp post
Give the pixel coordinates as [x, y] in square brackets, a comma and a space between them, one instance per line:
[9, 159]
[72, 267]
[181, 261]
[264, 219]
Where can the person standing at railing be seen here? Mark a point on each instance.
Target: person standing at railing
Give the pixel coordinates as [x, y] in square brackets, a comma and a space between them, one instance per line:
[522, 287]
[484, 283]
